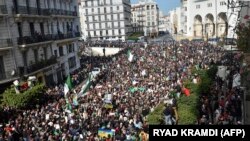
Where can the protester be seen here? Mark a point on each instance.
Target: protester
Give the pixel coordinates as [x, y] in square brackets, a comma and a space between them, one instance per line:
[137, 79]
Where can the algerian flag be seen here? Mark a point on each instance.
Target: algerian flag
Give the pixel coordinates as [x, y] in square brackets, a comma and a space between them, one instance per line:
[130, 56]
[67, 85]
[85, 88]
[69, 82]
[66, 89]
[75, 101]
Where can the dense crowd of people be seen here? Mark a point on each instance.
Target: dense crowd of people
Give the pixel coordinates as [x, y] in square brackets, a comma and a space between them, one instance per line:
[223, 105]
[137, 85]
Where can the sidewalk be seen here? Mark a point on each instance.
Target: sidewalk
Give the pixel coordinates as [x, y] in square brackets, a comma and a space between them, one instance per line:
[179, 37]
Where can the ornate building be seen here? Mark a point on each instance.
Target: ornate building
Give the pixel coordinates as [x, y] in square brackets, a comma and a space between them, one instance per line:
[106, 19]
[145, 17]
[39, 38]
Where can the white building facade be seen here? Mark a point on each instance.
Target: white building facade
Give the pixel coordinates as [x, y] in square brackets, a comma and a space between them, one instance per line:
[163, 22]
[106, 19]
[145, 17]
[207, 18]
[40, 38]
[175, 21]
[184, 16]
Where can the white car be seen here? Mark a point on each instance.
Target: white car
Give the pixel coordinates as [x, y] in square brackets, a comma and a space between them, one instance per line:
[95, 72]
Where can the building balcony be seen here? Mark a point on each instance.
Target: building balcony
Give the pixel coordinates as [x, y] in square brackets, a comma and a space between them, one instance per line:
[5, 43]
[43, 12]
[62, 12]
[7, 76]
[3, 10]
[62, 36]
[140, 15]
[41, 64]
[37, 38]
[78, 34]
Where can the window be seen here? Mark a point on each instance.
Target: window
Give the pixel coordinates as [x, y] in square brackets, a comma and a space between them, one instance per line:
[2, 71]
[185, 8]
[118, 16]
[70, 48]
[198, 6]
[92, 10]
[32, 29]
[73, 47]
[20, 31]
[86, 11]
[72, 62]
[94, 33]
[148, 23]
[153, 23]
[55, 53]
[222, 3]
[209, 5]
[35, 55]
[60, 51]
[105, 10]
[117, 8]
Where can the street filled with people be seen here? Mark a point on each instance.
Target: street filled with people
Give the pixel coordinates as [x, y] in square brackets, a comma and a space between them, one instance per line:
[129, 86]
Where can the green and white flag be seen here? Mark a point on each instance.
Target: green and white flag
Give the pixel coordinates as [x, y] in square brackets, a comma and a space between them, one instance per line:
[130, 56]
[67, 85]
[85, 87]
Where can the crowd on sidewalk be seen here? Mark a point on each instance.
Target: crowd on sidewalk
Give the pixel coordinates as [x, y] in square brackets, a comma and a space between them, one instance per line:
[223, 106]
[137, 85]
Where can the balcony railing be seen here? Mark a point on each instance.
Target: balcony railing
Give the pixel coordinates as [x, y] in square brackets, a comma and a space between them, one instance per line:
[3, 9]
[32, 11]
[21, 10]
[78, 34]
[62, 12]
[41, 64]
[5, 43]
[37, 38]
[41, 11]
[34, 39]
[7, 75]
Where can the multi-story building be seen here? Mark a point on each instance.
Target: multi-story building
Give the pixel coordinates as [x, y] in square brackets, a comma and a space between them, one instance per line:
[208, 18]
[145, 17]
[184, 16]
[39, 38]
[163, 22]
[175, 21]
[106, 19]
